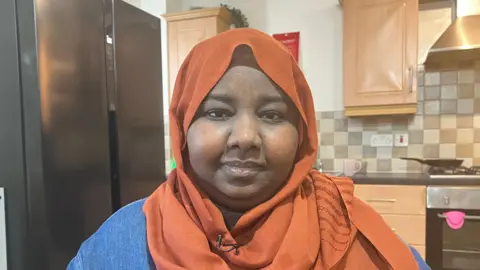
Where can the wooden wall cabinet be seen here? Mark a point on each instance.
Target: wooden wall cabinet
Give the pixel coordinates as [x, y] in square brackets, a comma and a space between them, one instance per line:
[380, 43]
[402, 207]
[187, 29]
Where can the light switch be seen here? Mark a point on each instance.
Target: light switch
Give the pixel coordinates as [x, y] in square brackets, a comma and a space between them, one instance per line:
[401, 140]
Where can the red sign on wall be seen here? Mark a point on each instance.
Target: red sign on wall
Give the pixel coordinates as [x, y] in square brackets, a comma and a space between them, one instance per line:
[291, 41]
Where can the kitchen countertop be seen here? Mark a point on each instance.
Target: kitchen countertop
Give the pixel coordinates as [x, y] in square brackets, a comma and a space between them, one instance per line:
[411, 179]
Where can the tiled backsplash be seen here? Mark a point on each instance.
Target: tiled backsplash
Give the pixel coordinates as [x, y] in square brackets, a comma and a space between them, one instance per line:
[447, 125]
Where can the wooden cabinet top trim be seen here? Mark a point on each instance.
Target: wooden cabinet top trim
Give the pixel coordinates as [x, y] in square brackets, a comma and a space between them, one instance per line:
[381, 110]
[220, 12]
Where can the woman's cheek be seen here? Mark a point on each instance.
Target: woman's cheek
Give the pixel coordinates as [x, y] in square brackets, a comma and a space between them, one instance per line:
[281, 144]
[210, 138]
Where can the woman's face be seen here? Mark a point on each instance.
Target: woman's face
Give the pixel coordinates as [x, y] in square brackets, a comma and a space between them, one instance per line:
[242, 144]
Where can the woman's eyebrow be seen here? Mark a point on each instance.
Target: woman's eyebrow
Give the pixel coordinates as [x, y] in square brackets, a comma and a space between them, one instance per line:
[272, 99]
[265, 98]
[220, 97]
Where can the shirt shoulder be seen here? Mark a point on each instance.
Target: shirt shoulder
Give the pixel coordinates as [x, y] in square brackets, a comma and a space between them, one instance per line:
[422, 265]
[120, 243]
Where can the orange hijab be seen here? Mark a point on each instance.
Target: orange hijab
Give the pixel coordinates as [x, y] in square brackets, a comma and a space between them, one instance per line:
[308, 224]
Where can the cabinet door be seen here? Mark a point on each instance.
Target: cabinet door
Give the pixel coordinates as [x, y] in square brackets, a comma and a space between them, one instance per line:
[183, 36]
[380, 53]
[411, 228]
[394, 199]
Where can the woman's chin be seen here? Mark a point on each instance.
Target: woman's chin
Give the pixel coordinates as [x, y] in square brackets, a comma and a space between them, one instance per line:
[237, 192]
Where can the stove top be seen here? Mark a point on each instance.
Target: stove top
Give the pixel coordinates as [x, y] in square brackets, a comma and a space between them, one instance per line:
[454, 172]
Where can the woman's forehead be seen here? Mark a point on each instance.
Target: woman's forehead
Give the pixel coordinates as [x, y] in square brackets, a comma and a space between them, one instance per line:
[246, 82]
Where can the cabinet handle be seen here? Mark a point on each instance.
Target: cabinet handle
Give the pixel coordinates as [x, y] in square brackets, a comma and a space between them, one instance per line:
[410, 78]
[382, 200]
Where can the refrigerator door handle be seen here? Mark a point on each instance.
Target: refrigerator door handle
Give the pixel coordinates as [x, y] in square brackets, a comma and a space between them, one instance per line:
[3, 232]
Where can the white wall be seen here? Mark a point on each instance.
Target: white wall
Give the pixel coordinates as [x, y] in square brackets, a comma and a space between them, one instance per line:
[154, 7]
[320, 26]
[431, 25]
[137, 3]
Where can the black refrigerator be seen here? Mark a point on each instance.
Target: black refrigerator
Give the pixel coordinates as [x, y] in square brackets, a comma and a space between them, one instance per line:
[81, 121]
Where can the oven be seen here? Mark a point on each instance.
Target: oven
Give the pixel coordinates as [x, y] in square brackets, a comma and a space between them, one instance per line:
[447, 248]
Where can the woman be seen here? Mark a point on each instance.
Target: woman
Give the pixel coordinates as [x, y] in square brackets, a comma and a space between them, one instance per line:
[243, 195]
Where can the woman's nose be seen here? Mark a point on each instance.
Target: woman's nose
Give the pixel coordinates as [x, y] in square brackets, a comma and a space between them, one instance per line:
[244, 133]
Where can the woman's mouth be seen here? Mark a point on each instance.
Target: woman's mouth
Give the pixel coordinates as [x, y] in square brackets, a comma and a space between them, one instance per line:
[242, 169]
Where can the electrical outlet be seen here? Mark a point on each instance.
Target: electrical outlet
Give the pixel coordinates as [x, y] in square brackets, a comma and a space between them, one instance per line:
[381, 140]
[401, 140]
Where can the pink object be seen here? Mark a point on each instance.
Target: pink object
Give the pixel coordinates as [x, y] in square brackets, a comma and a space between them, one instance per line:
[455, 219]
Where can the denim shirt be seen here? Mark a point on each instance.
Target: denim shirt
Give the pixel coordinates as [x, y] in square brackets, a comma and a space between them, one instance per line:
[121, 244]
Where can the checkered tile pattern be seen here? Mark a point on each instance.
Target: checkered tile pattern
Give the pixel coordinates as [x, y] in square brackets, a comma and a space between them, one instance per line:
[447, 125]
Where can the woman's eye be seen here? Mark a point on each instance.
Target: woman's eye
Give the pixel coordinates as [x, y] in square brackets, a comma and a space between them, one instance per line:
[218, 115]
[273, 117]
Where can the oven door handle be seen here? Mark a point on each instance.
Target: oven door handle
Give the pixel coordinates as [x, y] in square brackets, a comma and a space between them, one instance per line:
[467, 217]
[461, 251]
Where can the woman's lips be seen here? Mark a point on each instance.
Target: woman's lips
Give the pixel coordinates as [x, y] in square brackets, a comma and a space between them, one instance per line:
[242, 169]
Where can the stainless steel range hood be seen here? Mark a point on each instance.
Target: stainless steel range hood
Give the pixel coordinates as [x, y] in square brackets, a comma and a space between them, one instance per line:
[459, 45]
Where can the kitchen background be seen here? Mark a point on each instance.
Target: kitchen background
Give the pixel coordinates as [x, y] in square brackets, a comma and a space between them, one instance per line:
[75, 149]
[448, 102]
[446, 126]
